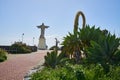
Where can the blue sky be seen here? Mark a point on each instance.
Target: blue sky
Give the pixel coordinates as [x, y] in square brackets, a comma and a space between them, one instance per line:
[22, 16]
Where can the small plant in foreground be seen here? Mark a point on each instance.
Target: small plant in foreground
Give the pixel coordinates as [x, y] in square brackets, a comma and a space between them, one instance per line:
[53, 59]
[77, 72]
[3, 56]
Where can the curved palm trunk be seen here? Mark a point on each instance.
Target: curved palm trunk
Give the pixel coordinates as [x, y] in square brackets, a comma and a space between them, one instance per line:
[77, 19]
[76, 23]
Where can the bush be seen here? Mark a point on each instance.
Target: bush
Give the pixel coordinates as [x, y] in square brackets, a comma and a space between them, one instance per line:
[19, 47]
[104, 52]
[77, 42]
[77, 72]
[3, 56]
[53, 48]
[33, 48]
[62, 73]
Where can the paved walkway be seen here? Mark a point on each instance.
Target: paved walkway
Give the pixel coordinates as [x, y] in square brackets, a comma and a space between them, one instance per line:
[18, 65]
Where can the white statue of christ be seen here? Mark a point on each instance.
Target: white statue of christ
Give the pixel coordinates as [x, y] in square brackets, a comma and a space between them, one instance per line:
[42, 30]
[42, 42]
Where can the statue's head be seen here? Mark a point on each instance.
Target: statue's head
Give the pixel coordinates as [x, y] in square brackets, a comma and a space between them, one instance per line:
[42, 24]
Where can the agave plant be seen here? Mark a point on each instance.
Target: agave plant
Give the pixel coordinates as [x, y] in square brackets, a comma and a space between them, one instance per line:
[88, 34]
[53, 59]
[104, 51]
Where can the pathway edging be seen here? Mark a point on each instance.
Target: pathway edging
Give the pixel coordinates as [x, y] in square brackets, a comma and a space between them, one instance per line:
[33, 70]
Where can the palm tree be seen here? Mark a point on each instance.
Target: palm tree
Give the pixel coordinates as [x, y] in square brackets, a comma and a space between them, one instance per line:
[71, 43]
[76, 23]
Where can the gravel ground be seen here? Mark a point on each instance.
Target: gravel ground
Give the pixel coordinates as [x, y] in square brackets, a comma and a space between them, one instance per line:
[17, 65]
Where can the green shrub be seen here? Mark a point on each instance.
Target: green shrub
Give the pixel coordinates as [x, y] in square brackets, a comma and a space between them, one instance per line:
[77, 72]
[53, 48]
[81, 39]
[19, 47]
[104, 52]
[3, 56]
[114, 73]
[53, 59]
[61, 73]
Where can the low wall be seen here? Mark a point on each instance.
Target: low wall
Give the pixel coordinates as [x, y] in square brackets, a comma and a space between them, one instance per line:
[8, 48]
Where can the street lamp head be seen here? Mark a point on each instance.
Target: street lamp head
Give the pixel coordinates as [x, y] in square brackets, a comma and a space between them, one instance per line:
[22, 33]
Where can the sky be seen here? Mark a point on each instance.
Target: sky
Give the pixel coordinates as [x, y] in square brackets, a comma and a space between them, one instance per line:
[22, 16]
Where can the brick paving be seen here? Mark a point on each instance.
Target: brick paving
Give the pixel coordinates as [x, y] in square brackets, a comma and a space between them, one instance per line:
[17, 66]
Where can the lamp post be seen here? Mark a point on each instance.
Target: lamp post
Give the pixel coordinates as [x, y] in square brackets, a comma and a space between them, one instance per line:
[22, 37]
[33, 40]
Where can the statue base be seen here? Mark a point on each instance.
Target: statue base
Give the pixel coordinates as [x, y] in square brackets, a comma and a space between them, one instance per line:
[42, 44]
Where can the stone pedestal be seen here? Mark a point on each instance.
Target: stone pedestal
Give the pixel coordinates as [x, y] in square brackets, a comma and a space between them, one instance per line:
[42, 44]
